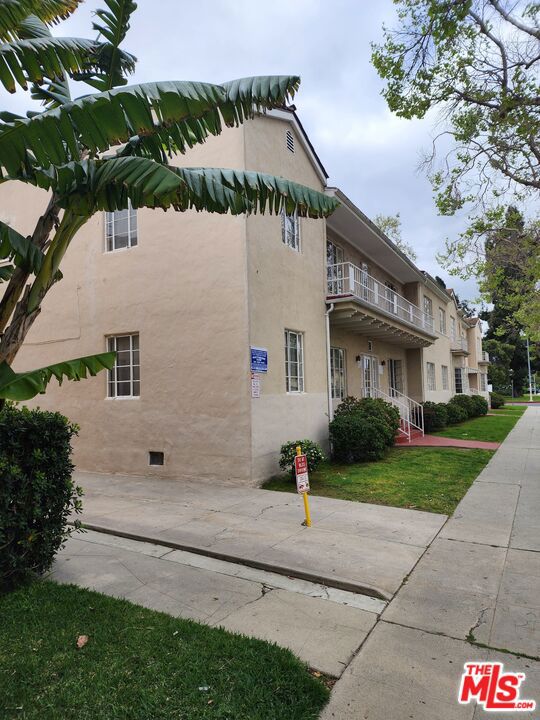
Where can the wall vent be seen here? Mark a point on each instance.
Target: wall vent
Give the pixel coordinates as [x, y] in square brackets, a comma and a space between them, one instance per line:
[370, 345]
[290, 141]
[156, 458]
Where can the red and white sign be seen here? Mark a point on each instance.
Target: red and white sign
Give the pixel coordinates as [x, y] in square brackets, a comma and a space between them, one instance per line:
[488, 685]
[302, 477]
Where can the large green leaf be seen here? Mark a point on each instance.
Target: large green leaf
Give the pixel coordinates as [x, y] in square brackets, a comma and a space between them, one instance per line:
[108, 185]
[39, 58]
[112, 62]
[185, 113]
[13, 12]
[26, 385]
[6, 271]
[21, 249]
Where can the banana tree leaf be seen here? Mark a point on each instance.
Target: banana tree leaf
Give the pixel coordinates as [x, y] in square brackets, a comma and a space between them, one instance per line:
[185, 112]
[13, 12]
[113, 62]
[108, 185]
[39, 58]
[6, 271]
[26, 385]
[21, 249]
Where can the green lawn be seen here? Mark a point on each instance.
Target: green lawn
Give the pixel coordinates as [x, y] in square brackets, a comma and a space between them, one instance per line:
[491, 429]
[522, 398]
[138, 664]
[432, 479]
[509, 410]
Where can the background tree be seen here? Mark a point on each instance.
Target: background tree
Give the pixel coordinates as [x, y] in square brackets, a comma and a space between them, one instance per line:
[391, 227]
[104, 150]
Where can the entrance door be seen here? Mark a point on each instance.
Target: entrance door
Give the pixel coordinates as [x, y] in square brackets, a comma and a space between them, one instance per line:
[370, 375]
[395, 377]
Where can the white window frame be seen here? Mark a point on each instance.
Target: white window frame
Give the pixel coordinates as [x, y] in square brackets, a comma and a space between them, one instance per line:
[459, 386]
[297, 364]
[430, 377]
[338, 373]
[483, 382]
[291, 240]
[445, 377]
[442, 321]
[132, 232]
[428, 306]
[134, 368]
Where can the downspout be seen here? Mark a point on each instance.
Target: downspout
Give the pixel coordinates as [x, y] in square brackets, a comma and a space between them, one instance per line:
[328, 364]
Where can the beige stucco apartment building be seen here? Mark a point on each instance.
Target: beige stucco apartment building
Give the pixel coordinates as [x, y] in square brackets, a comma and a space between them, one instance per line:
[333, 309]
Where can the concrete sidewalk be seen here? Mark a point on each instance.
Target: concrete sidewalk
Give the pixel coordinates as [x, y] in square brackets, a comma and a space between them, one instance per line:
[353, 546]
[479, 581]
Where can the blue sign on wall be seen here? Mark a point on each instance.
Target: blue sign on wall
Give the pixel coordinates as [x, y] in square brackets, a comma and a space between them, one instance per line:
[259, 360]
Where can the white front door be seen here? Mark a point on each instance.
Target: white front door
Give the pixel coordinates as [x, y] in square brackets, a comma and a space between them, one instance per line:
[370, 375]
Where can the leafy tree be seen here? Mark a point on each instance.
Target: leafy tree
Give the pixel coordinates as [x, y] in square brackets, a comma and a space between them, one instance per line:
[390, 225]
[477, 61]
[100, 151]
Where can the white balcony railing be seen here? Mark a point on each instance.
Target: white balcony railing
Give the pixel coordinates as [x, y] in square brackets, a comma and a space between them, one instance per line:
[459, 343]
[347, 279]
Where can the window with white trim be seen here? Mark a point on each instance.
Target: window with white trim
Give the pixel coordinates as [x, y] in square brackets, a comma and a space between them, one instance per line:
[428, 306]
[294, 361]
[444, 373]
[431, 383]
[483, 382]
[120, 229]
[290, 230]
[458, 377]
[337, 372]
[125, 377]
[442, 321]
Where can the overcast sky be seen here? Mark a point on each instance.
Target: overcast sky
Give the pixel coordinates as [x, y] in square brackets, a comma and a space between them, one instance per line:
[370, 154]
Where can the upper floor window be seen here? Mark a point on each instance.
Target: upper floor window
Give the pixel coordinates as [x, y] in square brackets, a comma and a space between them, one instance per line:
[124, 378]
[483, 382]
[431, 384]
[121, 229]
[452, 327]
[294, 361]
[428, 306]
[442, 321]
[290, 230]
[337, 372]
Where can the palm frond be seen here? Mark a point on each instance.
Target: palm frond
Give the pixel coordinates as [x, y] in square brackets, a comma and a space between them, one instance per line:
[185, 113]
[13, 12]
[26, 385]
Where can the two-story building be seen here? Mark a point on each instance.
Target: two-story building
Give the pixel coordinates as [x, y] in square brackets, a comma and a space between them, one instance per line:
[335, 308]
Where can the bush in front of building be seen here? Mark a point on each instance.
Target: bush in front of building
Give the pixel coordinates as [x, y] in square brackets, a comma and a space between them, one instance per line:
[497, 400]
[480, 405]
[37, 493]
[455, 413]
[363, 429]
[312, 450]
[435, 416]
[465, 402]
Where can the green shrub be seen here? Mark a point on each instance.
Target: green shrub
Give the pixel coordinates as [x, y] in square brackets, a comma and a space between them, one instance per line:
[356, 437]
[435, 416]
[497, 400]
[465, 402]
[312, 450]
[363, 429]
[480, 405]
[455, 413]
[37, 493]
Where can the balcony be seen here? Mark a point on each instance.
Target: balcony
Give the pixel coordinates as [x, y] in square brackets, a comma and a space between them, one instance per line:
[459, 345]
[369, 307]
[484, 358]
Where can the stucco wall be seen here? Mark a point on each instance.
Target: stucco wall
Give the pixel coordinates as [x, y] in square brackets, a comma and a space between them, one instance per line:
[184, 290]
[286, 291]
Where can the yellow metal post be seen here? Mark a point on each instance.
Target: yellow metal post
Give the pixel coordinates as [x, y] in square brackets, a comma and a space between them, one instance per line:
[306, 499]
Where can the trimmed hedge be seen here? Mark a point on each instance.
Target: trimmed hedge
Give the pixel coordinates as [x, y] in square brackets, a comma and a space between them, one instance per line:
[480, 405]
[363, 430]
[312, 450]
[455, 413]
[466, 403]
[435, 416]
[497, 400]
[37, 493]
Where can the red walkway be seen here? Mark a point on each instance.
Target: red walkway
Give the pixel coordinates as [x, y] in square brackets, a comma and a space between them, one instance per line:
[437, 441]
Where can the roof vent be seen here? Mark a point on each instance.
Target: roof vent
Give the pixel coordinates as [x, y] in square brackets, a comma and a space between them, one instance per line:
[290, 141]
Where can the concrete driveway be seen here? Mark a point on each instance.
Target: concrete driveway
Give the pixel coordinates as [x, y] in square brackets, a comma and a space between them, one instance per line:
[357, 547]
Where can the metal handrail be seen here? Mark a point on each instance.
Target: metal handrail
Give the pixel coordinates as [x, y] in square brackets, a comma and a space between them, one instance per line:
[411, 412]
[348, 279]
[416, 409]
